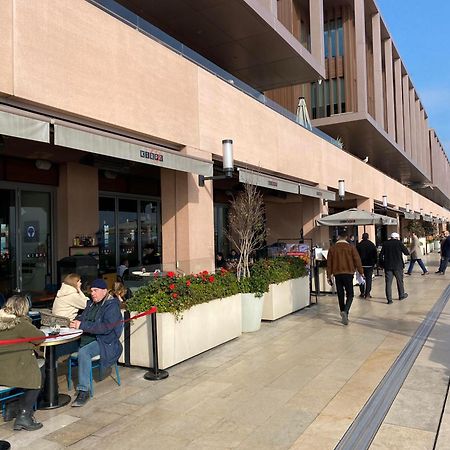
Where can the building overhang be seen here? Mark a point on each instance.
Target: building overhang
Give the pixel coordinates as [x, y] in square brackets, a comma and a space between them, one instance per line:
[363, 138]
[240, 36]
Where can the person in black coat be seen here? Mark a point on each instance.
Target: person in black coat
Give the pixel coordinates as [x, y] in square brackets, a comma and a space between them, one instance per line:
[368, 253]
[391, 260]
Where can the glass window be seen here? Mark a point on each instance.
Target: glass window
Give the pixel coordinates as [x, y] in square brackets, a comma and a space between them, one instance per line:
[340, 31]
[314, 100]
[128, 231]
[335, 97]
[8, 279]
[342, 84]
[325, 39]
[107, 234]
[150, 233]
[326, 88]
[333, 38]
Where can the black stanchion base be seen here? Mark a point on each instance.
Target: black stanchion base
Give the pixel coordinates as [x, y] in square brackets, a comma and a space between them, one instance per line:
[154, 376]
[63, 400]
[5, 445]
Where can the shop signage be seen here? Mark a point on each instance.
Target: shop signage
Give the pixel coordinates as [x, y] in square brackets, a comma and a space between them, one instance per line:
[152, 155]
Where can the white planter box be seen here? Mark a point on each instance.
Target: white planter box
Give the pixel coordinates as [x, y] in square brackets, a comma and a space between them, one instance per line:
[203, 327]
[252, 308]
[285, 298]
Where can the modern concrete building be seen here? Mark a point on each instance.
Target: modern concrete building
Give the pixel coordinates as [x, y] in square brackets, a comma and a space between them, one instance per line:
[110, 111]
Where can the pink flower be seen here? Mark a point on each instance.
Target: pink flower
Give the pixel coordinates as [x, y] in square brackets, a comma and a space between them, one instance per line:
[211, 279]
[172, 287]
[188, 283]
[174, 295]
[170, 274]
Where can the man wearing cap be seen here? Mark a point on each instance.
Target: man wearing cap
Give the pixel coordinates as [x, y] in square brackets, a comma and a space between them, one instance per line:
[101, 323]
[391, 260]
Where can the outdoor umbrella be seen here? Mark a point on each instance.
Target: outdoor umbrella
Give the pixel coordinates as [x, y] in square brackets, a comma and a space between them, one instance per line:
[356, 217]
[302, 114]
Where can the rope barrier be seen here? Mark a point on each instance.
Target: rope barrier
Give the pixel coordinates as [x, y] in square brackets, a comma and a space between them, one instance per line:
[152, 310]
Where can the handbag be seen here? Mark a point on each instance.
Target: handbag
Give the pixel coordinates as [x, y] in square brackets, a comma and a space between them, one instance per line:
[360, 279]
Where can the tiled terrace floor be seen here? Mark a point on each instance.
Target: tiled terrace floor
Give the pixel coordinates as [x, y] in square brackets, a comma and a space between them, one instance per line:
[297, 383]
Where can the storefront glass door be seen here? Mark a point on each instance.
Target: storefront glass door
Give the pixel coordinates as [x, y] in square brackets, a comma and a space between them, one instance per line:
[25, 241]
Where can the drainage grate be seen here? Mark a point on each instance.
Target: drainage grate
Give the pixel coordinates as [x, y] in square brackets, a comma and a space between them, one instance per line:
[366, 424]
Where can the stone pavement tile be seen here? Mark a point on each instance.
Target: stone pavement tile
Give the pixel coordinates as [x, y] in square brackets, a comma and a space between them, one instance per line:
[280, 430]
[323, 434]
[226, 434]
[27, 439]
[428, 379]
[443, 438]
[38, 444]
[416, 409]
[88, 443]
[393, 437]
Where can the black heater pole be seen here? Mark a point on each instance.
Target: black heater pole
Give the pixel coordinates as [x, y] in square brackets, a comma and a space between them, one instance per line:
[156, 373]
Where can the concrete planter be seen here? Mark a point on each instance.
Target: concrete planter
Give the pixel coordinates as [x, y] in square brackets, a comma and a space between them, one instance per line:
[285, 298]
[251, 312]
[203, 327]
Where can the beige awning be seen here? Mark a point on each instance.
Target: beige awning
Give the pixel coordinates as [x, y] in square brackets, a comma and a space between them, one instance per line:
[109, 144]
[23, 124]
[279, 184]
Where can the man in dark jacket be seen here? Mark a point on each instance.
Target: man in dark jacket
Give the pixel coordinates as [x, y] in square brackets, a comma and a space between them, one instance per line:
[368, 253]
[342, 263]
[101, 323]
[391, 259]
[445, 253]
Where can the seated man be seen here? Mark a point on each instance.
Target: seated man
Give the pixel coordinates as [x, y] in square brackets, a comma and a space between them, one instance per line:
[101, 323]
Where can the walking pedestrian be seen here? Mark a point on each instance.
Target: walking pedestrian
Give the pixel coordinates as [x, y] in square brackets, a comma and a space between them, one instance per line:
[445, 253]
[391, 259]
[368, 254]
[416, 255]
[342, 262]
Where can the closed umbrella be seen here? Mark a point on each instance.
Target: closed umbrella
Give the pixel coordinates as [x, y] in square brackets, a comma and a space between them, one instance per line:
[355, 216]
[302, 114]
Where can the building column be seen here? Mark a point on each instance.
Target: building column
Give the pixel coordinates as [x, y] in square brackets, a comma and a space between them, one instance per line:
[399, 103]
[314, 209]
[366, 204]
[406, 117]
[377, 70]
[412, 118]
[187, 216]
[316, 27]
[361, 63]
[390, 105]
[76, 204]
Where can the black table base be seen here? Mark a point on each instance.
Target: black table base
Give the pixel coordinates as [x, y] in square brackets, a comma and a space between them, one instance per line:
[61, 400]
[51, 398]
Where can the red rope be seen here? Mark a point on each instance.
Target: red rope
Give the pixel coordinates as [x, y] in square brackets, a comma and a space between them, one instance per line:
[152, 310]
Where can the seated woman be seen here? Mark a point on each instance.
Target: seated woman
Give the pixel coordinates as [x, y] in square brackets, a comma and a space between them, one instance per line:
[69, 299]
[18, 363]
[121, 292]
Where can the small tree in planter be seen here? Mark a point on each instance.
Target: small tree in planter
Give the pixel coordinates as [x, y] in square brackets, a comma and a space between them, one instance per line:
[246, 228]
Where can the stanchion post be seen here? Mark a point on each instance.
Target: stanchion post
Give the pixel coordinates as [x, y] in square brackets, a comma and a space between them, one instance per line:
[156, 373]
[127, 339]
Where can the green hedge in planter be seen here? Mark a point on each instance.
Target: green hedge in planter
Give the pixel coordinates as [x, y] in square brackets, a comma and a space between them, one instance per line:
[176, 294]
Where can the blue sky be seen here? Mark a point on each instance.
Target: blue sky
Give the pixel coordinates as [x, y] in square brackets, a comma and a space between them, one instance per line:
[420, 30]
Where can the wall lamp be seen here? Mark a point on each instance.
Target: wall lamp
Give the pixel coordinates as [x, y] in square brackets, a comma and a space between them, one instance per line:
[407, 207]
[385, 204]
[341, 186]
[43, 164]
[228, 168]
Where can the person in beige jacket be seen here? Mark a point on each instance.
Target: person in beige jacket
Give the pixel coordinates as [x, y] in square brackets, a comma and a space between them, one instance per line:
[343, 261]
[416, 255]
[69, 299]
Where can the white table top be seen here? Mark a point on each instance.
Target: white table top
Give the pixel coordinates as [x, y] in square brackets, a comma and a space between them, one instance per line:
[65, 335]
[142, 274]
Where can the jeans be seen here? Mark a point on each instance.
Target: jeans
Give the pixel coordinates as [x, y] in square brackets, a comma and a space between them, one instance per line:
[443, 264]
[344, 282]
[367, 286]
[85, 355]
[389, 276]
[421, 264]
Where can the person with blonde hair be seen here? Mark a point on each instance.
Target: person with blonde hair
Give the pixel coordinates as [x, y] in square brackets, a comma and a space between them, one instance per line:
[69, 299]
[18, 363]
[119, 291]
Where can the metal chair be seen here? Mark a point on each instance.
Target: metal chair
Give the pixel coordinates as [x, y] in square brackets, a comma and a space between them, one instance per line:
[73, 362]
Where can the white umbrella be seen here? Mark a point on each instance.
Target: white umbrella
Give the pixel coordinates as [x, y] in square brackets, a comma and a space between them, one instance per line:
[302, 114]
[356, 217]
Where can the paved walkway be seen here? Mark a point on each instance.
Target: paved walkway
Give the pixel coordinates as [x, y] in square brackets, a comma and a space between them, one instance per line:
[298, 383]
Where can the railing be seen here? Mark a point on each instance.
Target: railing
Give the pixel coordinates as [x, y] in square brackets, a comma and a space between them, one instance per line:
[133, 20]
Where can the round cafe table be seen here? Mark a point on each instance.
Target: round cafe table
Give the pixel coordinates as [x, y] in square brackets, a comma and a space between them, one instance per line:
[51, 398]
[142, 274]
